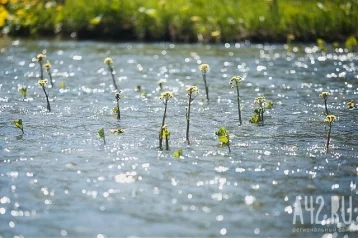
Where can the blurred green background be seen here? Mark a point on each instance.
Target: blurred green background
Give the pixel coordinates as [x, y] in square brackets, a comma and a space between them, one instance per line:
[182, 20]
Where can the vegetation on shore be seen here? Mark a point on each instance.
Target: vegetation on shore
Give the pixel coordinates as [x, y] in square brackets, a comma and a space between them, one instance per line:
[182, 20]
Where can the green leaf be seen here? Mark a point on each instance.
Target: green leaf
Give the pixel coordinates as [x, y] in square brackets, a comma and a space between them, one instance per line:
[115, 109]
[18, 124]
[269, 105]
[62, 85]
[223, 136]
[117, 131]
[100, 133]
[23, 92]
[178, 153]
[254, 119]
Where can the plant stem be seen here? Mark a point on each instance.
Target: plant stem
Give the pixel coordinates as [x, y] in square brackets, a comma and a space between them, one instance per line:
[104, 140]
[238, 104]
[166, 142]
[262, 115]
[41, 70]
[325, 106]
[50, 76]
[228, 146]
[328, 136]
[114, 81]
[188, 119]
[161, 128]
[206, 87]
[119, 111]
[48, 102]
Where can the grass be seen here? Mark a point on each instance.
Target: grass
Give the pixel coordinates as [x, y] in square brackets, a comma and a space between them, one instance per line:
[183, 20]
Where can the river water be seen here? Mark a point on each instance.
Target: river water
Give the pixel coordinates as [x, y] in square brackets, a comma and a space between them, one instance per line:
[60, 180]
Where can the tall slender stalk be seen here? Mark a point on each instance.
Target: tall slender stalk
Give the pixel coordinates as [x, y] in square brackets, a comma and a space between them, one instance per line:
[204, 68]
[325, 95]
[109, 62]
[165, 96]
[43, 83]
[39, 59]
[329, 119]
[261, 101]
[166, 135]
[190, 90]
[48, 69]
[237, 80]
[118, 96]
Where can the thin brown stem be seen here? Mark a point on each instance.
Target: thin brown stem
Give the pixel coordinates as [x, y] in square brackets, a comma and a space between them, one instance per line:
[163, 123]
[206, 87]
[325, 106]
[188, 118]
[119, 111]
[50, 76]
[113, 79]
[47, 100]
[328, 137]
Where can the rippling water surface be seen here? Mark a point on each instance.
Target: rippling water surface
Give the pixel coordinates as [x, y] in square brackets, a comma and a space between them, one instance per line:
[59, 179]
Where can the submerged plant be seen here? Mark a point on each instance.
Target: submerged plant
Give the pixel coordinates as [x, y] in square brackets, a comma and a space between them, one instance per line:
[23, 91]
[178, 153]
[109, 62]
[329, 119]
[117, 109]
[351, 104]
[234, 82]
[325, 95]
[43, 83]
[101, 135]
[190, 91]
[204, 68]
[164, 96]
[40, 58]
[166, 136]
[223, 137]
[18, 124]
[48, 69]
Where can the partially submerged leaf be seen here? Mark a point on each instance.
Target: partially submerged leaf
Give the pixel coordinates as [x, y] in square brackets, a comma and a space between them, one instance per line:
[178, 153]
[100, 133]
[117, 131]
[223, 136]
[18, 124]
[115, 109]
[23, 91]
[255, 119]
[269, 105]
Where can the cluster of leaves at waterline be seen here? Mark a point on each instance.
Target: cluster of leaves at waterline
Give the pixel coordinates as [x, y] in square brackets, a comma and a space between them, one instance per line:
[164, 96]
[223, 137]
[192, 92]
[258, 116]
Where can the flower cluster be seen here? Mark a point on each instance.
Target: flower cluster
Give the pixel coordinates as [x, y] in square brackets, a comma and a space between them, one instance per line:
[42, 82]
[204, 68]
[48, 65]
[330, 118]
[237, 80]
[108, 61]
[166, 95]
[192, 89]
[40, 57]
[324, 95]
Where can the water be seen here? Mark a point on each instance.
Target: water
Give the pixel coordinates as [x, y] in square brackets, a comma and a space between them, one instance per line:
[59, 179]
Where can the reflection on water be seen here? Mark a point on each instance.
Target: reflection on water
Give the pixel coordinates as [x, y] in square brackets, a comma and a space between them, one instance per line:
[60, 180]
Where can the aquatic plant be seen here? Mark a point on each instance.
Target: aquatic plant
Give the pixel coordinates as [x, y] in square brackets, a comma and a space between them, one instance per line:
[325, 95]
[204, 68]
[62, 85]
[178, 153]
[329, 120]
[234, 82]
[101, 135]
[117, 131]
[321, 44]
[161, 83]
[258, 116]
[48, 69]
[18, 124]
[223, 137]
[164, 96]
[23, 91]
[351, 104]
[43, 83]
[166, 136]
[117, 109]
[40, 58]
[109, 62]
[192, 92]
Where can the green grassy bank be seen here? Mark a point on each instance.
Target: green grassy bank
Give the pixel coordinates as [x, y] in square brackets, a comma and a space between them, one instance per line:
[182, 20]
